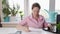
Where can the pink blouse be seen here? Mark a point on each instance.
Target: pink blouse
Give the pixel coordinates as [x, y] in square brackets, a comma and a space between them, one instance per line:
[31, 22]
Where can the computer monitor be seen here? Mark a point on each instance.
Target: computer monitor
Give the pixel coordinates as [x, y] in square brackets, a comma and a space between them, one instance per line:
[58, 18]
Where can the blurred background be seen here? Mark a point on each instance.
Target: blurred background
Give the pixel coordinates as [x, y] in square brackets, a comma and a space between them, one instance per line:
[13, 11]
[21, 8]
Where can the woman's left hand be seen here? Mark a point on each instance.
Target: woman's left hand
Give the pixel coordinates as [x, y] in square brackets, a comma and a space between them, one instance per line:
[50, 26]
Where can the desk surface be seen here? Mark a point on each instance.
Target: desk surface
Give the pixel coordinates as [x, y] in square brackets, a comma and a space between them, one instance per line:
[13, 30]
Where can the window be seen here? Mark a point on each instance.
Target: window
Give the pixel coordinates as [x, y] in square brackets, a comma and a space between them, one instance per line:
[44, 5]
[57, 6]
[15, 2]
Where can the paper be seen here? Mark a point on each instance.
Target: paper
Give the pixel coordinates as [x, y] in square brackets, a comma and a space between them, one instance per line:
[35, 29]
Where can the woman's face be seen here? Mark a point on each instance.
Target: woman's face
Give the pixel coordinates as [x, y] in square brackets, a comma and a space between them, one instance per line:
[35, 11]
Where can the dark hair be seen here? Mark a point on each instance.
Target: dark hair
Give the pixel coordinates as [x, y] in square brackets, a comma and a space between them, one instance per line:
[36, 5]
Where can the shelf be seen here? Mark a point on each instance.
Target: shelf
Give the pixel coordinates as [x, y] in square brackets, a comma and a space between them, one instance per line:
[9, 24]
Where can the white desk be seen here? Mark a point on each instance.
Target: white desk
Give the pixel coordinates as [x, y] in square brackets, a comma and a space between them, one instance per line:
[13, 30]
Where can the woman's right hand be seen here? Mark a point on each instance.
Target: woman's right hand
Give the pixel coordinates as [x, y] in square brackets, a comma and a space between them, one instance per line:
[24, 28]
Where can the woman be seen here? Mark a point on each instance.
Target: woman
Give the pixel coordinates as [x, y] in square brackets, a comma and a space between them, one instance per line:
[34, 20]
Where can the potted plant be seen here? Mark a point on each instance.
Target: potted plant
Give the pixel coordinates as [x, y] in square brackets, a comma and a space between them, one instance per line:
[6, 11]
[21, 14]
[58, 28]
[14, 11]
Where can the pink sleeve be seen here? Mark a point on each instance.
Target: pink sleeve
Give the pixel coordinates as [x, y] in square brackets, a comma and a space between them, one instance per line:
[45, 23]
[23, 22]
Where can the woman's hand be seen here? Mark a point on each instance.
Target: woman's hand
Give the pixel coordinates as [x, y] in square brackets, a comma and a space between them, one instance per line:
[24, 28]
[50, 26]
